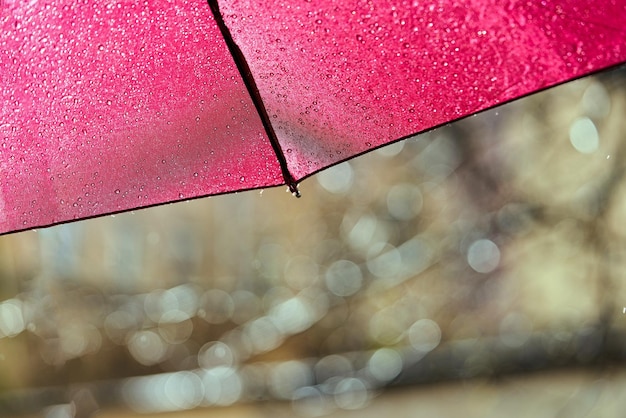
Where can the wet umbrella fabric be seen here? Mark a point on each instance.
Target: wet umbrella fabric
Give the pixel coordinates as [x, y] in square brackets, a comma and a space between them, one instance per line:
[111, 106]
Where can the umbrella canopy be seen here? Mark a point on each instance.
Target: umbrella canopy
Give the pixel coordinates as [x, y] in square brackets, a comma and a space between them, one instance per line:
[111, 106]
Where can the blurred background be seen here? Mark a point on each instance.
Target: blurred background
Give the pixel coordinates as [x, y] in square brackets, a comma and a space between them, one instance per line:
[476, 270]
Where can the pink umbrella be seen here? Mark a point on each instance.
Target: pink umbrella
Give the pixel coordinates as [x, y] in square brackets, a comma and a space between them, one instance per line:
[115, 105]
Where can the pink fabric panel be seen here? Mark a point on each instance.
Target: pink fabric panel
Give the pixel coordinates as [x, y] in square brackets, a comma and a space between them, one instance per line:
[112, 105]
[341, 77]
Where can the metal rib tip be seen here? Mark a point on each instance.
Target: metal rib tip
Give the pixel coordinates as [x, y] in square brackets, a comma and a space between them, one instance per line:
[293, 188]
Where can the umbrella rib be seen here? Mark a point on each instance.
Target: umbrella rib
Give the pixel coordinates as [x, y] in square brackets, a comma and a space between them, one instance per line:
[253, 90]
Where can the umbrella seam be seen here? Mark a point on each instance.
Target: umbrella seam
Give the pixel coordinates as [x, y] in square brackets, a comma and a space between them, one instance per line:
[250, 83]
